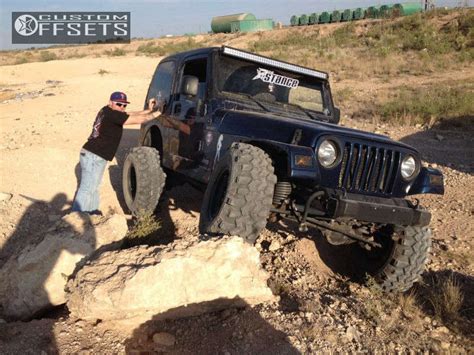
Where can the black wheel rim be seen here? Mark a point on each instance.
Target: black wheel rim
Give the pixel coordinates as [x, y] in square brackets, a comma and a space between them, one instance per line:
[132, 182]
[147, 140]
[217, 195]
[379, 257]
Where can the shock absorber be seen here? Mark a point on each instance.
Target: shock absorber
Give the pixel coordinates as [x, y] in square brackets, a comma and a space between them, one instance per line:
[282, 191]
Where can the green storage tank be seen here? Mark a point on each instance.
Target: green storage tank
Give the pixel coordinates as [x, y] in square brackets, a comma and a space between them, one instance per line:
[358, 14]
[303, 20]
[386, 11]
[373, 12]
[252, 25]
[325, 17]
[313, 18]
[336, 16]
[223, 23]
[405, 9]
[347, 15]
[294, 20]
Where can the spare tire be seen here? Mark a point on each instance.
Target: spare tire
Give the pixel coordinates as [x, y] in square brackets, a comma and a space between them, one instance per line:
[239, 195]
[143, 180]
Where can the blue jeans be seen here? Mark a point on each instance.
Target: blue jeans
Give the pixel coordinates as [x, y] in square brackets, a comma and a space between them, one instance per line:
[92, 170]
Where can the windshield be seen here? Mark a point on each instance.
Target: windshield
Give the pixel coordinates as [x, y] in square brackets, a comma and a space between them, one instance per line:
[269, 85]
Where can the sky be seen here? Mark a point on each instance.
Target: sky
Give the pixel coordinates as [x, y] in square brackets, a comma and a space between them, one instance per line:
[155, 18]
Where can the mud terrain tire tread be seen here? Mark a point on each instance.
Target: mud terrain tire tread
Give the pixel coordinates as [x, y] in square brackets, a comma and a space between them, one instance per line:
[248, 198]
[409, 256]
[149, 176]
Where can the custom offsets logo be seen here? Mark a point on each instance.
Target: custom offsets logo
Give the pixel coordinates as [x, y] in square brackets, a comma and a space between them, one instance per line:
[70, 27]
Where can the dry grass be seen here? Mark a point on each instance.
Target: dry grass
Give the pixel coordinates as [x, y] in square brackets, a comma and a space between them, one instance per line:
[417, 45]
[408, 305]
[446, 298]
[343, 96]
[377, 303]
[116, 52]
[443, 293]
[155, 48]
[46, 56]
[412, 105]
[396, 316]
[143, 231]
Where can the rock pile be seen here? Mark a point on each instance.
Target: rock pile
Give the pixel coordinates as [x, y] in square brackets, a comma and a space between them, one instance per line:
[142, 283]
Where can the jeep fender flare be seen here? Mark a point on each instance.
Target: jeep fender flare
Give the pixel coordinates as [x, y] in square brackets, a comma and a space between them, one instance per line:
[284, 158]
[152, 137]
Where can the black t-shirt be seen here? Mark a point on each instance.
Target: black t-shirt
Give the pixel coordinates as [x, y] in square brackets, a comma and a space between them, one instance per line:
[106, 133]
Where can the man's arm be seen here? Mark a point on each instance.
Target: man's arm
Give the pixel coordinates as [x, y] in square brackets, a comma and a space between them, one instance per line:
[140, 112]
[176, 124]
[149, 109]
[139, 117]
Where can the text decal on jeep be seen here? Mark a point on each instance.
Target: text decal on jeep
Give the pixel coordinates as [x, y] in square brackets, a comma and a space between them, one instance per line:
[267, 76]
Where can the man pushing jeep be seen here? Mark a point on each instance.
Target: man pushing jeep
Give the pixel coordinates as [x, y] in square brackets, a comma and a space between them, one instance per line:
[102, 144]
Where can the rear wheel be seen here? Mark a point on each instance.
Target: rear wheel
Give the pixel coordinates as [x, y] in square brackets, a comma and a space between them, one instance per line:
[143, 180]
[239, 195]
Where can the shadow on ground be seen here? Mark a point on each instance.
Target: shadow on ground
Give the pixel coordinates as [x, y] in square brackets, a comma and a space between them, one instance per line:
[453, 147]
[230, 331]
[339, 259]
[32, 274]
[129, 140]
[31, 228]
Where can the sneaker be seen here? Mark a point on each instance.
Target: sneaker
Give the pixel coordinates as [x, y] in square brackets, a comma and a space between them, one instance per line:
[96, 213]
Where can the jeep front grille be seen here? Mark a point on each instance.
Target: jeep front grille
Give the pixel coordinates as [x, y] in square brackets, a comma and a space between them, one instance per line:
[368, 169]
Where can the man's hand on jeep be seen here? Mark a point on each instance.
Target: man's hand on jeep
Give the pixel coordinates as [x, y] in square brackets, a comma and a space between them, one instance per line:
[152, 104]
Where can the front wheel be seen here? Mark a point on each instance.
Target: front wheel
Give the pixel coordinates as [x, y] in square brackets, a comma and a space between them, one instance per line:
[405, 255]
[239, 195]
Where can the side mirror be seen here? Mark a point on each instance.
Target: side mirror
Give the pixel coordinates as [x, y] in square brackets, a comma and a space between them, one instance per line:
[189, 85]
[337, 114]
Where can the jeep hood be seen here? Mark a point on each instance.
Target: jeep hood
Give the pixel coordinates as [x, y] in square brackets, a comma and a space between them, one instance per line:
[268, 126]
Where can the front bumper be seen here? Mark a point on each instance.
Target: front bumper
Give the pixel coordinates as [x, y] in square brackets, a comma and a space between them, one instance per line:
[377, 210]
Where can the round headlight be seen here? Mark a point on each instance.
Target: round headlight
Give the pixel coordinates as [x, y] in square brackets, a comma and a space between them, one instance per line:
[408, 167]
[327, 153]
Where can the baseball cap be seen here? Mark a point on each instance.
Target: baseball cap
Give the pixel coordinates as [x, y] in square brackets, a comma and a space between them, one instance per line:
[118, 96]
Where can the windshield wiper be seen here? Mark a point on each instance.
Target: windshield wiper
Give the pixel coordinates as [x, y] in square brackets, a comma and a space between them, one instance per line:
[257, 102]
[303, 110]
[248, 96]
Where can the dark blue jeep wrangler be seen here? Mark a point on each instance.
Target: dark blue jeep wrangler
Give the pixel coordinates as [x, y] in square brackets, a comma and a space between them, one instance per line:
[261, 137]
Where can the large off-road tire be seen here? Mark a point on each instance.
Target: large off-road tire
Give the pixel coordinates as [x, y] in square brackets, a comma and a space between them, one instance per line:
[239, 195]
[406, 256]
[143, 180]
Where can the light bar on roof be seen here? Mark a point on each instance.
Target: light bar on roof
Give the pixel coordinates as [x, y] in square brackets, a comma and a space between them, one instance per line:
[274, 63]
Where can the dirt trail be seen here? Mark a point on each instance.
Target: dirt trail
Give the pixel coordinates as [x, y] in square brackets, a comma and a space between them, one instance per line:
[41, 134]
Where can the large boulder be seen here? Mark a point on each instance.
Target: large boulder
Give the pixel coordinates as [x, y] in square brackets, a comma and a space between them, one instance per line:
[142, 283]
[34, 280]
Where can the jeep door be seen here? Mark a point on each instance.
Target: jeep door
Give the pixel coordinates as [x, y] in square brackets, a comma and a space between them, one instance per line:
[187, 111]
